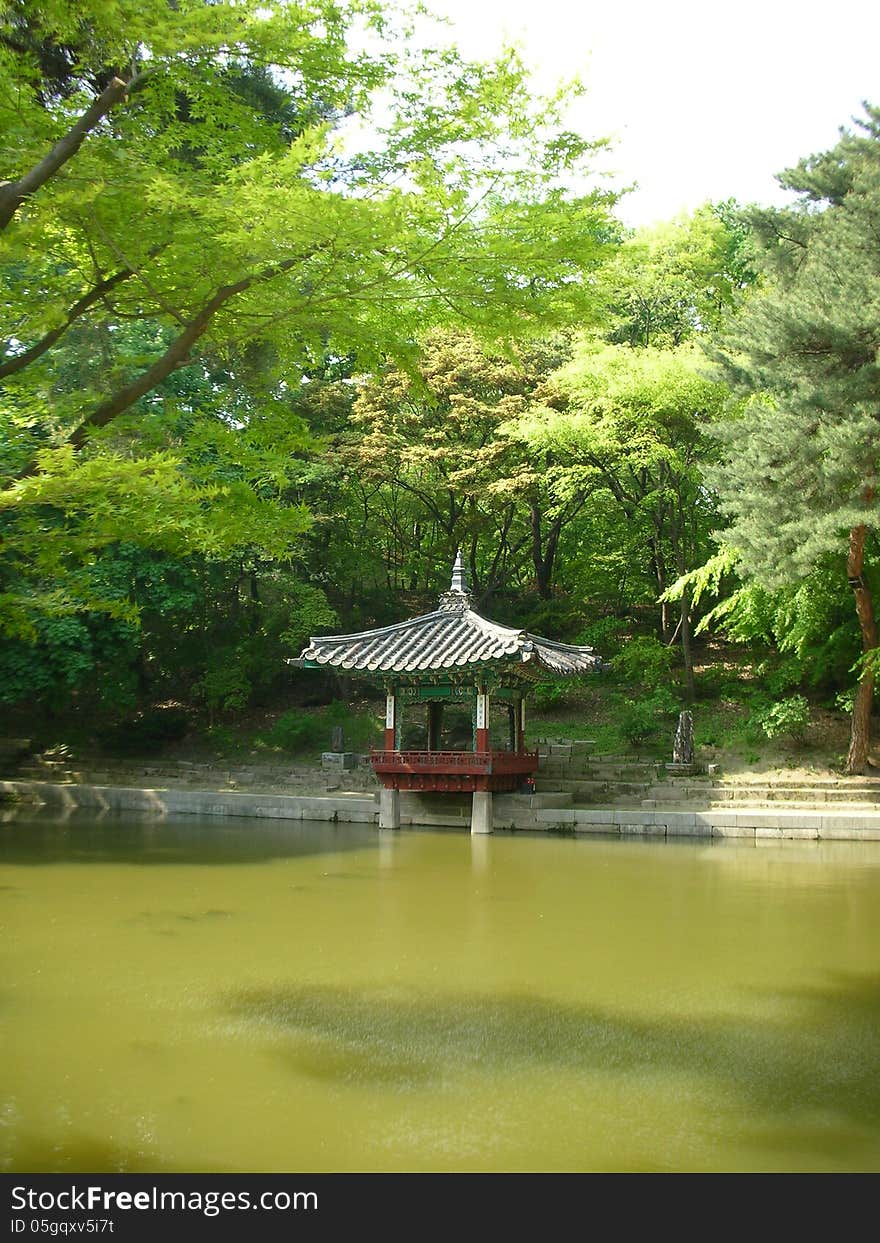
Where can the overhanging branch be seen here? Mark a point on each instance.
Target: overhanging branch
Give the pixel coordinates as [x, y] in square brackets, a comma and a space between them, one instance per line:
[13, 193]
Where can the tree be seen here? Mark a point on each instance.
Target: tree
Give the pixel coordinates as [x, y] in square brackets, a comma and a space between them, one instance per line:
[673, 281]
[798, 476]
[170, 195]
[431, 445]
[632, 424]
[202, 198]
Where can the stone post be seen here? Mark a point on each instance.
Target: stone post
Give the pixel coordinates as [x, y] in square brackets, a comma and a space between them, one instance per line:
[481, 812]
[683, 745]
[389, 808]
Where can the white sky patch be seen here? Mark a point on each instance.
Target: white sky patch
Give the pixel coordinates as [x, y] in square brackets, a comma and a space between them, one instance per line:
[706, 101]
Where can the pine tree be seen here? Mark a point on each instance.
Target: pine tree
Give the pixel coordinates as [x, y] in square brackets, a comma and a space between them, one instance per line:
[799, 472]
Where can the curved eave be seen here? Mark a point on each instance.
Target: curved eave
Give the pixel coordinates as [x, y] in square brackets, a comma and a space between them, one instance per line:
[448, 642]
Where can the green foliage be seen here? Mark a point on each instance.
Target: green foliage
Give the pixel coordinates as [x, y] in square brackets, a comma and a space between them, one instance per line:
[675, 280]
[844, 700]
[646, 661]
[432, 450]
[550, 696]
[605, 635]
[225, 685]
[631, 427]
[778, 677]
[308, 613]
[203, 275]
[296, 731]
[785, 717]
[648, 718]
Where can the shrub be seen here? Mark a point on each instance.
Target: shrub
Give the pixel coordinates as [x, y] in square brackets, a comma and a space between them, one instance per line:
[845, 700]
[225, 687]
[604, 634]
[548, 696]
[296, 731]
[788, 716]
[718, 682]
[645, 660]
[645, 719]
[780, 678]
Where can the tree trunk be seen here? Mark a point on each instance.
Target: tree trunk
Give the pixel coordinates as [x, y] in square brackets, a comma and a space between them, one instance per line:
[686, 651]
[860, 737]
[543, 555]
[658, 564]
[541, 576]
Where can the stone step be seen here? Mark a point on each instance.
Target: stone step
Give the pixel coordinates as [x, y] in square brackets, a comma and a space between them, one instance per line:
[777, 822]
[769, 793]
[592, 768]
[694, 805]
[542, 799]
[594, 791]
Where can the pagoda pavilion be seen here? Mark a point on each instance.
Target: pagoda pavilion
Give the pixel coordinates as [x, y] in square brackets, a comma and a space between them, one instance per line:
[452, 656]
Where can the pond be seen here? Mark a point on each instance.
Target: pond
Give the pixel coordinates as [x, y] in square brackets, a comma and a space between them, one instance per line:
[231, 995]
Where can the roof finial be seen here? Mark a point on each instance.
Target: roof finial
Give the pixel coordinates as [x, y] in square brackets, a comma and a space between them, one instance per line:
[457, 599]
[458, 579]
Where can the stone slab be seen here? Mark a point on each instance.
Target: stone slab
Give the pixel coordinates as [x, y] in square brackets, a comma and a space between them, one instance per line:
[583, 815]
[558, 815]
[338, 760]
[686, 826]
[778, 818]
[841, 834]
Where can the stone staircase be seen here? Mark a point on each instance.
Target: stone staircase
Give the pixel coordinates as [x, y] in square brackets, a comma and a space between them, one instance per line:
[593, 780]
[614, 794]
[644, 783]
[807, 793]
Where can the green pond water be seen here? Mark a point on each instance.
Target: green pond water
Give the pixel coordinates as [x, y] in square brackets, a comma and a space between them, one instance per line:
[227, 995]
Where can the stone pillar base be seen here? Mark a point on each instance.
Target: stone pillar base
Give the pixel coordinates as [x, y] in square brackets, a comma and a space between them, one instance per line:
[481, 812]
[389, 809]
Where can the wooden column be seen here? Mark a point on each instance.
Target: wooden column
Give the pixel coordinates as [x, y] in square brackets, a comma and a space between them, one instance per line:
[521, 725]
[435, 725]
[390, 721]
[482, 738]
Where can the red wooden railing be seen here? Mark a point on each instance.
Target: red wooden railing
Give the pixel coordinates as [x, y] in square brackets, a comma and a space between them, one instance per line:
[454, 761]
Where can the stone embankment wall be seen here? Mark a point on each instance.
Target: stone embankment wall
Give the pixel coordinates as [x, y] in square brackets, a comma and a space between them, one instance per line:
[547, 812]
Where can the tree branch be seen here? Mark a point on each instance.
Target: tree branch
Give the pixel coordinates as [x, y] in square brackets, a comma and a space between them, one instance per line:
[13, 193]
[19, 361]
[174, 357]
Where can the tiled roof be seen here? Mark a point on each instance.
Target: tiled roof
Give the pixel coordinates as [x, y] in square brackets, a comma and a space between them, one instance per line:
[452, 637]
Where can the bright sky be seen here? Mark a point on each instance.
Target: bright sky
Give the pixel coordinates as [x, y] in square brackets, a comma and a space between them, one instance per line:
[706, 100]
